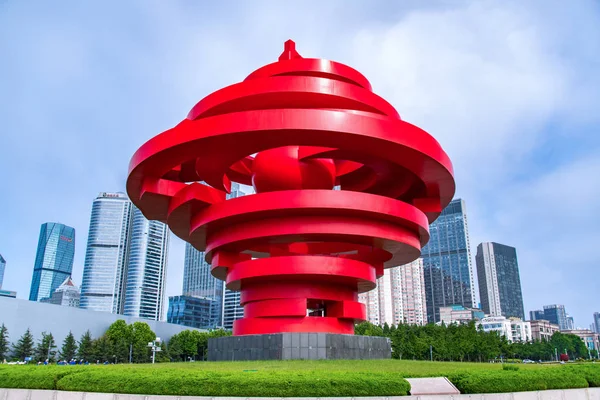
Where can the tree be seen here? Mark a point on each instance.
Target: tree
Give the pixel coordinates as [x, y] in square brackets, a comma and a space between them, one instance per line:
[141, 335]
[24, 346]
[85, 351]
[101, 349]
[3, 342]
[45, 348]
[69, 347]
[120, 336]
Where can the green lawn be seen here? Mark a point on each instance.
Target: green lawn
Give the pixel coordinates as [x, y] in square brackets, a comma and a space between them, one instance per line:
[294, 378]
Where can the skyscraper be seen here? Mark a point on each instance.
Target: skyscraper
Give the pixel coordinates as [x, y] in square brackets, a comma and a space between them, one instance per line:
[53, 260]
[408, 294]
[105, 265]
[232, 309]
[447, 262]
[195, 312]
[2, 268]
[146, 268]
[126, 260]
[199, 282]
[399, 296]
[597, 322]
[556, 314]
[499, 281]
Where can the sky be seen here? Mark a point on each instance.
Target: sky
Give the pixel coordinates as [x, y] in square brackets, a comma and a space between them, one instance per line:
[510, 89]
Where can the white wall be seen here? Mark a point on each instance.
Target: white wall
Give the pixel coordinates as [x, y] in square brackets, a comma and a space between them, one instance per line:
[18, 315]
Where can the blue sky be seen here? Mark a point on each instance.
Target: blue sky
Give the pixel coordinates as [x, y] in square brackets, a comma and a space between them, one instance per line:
[511, 89]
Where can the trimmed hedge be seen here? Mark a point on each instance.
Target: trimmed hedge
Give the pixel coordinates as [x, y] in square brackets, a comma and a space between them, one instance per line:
[294, 379]
[190, 382]
[503, 381]
[33, 377]
[590, 372]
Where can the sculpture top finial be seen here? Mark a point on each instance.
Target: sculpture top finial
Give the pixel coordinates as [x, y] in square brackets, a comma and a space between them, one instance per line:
[289, 51]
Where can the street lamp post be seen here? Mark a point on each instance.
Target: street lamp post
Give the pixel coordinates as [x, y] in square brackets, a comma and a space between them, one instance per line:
[155, 346]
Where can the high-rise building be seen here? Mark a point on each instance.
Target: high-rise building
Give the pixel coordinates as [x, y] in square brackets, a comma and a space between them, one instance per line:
[536, 315]
[597, 322]
[2, 268]
[448, 268]
[126, 260]
[232, 309]
[556, 314]
[105, 265]
[199, 282]
[53, 260]
[67, 294]
[146, 268]
[399, 296]
[499, 281]
[373, 305]
[195, 312]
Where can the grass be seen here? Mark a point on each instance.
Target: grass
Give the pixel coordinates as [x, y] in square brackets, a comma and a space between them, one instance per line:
[294, 378]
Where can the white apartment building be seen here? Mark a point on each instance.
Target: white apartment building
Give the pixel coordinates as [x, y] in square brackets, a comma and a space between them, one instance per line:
[514, 329]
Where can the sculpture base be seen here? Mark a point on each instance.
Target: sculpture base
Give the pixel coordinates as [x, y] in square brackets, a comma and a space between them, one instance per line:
[298, 346]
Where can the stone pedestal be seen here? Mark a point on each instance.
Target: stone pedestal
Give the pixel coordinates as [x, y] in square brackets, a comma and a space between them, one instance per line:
[298, 346]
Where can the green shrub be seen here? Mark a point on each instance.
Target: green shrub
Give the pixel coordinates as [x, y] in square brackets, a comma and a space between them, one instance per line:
[518, 381]
[509, 367]
[238, 384]
[33, 377]
[591, 373]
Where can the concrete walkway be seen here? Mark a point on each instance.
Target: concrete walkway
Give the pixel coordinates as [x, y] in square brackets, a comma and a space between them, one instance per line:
[571, 394]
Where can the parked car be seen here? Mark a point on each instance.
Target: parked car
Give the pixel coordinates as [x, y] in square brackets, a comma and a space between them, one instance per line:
[528, 361]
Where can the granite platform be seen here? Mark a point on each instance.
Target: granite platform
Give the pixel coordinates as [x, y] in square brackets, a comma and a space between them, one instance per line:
[298, 346]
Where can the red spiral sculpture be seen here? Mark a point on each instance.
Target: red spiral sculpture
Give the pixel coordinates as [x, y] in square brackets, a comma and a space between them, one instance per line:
[298, 250]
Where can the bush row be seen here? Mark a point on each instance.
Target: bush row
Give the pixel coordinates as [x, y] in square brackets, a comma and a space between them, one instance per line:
[515, 380]
[318, 382]
[204, 383]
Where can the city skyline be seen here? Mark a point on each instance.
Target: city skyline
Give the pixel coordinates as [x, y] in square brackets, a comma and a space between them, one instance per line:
[448, 67]
[196, 274]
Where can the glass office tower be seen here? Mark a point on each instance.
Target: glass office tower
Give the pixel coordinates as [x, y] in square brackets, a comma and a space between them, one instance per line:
[105, 265]
[447, 262]
[146, 268]
[195, 312]
[199, 282]
[499, 281]
[53, 260]
[556, 314]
